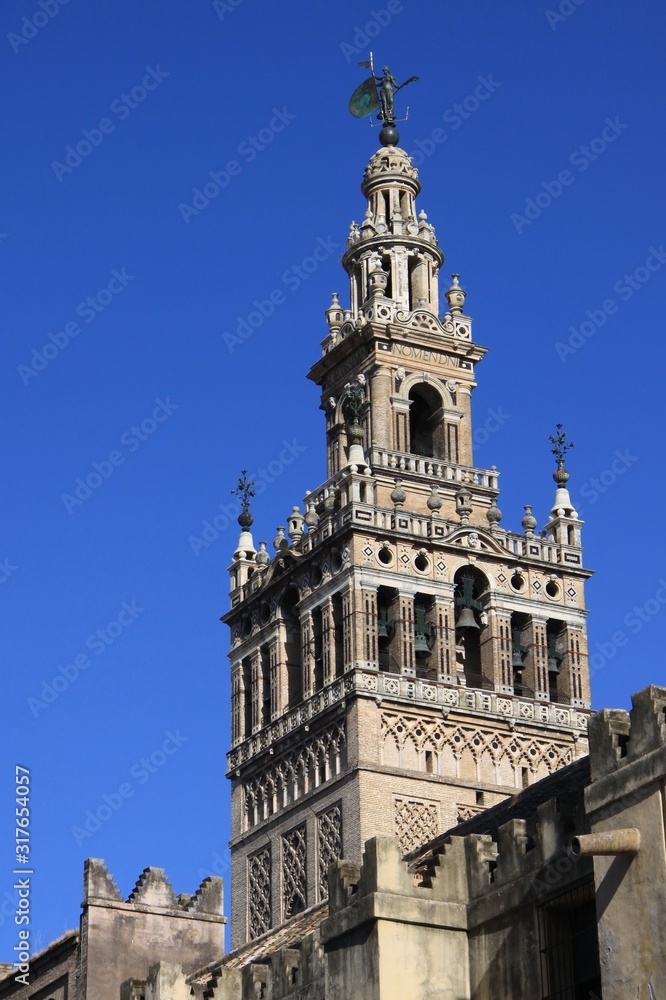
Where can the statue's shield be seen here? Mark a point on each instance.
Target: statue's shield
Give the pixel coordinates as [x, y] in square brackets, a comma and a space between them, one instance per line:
[365, 99]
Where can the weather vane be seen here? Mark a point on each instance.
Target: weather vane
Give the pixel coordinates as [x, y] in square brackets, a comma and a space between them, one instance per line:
[244, 491]
[560, 444]
[377, 93]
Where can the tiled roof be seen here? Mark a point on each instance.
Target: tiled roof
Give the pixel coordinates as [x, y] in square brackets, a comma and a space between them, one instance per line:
[287, 935]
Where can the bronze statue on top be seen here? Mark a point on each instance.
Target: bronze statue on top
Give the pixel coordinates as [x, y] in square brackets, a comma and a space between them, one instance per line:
[377, 93]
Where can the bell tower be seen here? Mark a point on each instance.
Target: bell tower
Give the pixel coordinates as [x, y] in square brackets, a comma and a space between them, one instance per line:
[402, 661]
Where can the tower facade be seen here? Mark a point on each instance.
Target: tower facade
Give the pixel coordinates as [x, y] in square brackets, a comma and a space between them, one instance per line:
[402, 661]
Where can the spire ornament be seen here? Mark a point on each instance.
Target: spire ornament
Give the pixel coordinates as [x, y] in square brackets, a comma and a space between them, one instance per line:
[560, 447]
[378, 92]
[354, 405]
[244, 491]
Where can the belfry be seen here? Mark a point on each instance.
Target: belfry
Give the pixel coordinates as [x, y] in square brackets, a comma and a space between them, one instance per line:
[402, 661]
[423, 803]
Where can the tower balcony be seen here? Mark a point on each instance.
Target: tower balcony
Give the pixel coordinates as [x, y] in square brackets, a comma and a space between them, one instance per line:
[432, 468]
[368, 682]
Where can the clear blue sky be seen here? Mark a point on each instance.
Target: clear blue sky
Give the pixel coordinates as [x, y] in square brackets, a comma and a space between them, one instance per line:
[160, 94]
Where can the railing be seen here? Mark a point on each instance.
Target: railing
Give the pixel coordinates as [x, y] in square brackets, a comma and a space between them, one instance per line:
[369, 682]
[432, 468]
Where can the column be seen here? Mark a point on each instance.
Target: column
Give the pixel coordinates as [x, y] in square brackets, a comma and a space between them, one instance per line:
[366, 637]
[465, 443]
[381, 386]
[236, 703]
[496, 650]
[307, 653]
[405, 635]
[255, 666]
[328, 640]
[274, 661]
[444, 650]
[535, 670]
[348, 650]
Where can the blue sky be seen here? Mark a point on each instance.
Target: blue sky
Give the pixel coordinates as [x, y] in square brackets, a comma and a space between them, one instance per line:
[539, 135]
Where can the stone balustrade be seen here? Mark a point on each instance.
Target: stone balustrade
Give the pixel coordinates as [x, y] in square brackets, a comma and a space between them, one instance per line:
[369, 682]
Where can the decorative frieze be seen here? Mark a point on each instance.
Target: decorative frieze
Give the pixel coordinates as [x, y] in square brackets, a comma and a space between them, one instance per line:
[418, 691]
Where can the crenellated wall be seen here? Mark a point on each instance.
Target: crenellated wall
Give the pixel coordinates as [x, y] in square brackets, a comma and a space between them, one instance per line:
[120, 939]
[628, 791]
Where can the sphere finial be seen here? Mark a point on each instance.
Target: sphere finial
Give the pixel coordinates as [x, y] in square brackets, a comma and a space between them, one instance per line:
[560, 447]
[244, 491]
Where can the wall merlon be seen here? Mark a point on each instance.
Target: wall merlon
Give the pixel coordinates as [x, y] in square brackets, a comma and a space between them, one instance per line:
[556, 823]
[514, 844]
[617, 737]
[383, 869]
[481, 853]
[608, 732]
[154, 889]
[447, 873]
[208, 897]
[98, 883]
[343, 878]
[648, 721]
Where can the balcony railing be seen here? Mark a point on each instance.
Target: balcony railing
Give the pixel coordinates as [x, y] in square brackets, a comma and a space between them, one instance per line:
[369, 682]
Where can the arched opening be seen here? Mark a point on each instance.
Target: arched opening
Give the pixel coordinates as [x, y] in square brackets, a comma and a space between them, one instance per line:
[426, 422]
[387, 613]
[471, 591]
[519, 649]
[424, 634]
[338, 643]
[290, 616]
[556, 643]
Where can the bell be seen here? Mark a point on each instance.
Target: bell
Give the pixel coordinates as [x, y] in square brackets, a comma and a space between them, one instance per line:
[516, 660]
[466, 619]
[553, 665]
[384, 626]
[421, 647]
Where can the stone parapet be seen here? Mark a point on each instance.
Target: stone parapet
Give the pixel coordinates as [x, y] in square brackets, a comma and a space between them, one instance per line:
[371, 683]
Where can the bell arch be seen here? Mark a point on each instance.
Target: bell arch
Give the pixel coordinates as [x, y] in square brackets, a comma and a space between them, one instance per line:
[426, 421]
[289, 613]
